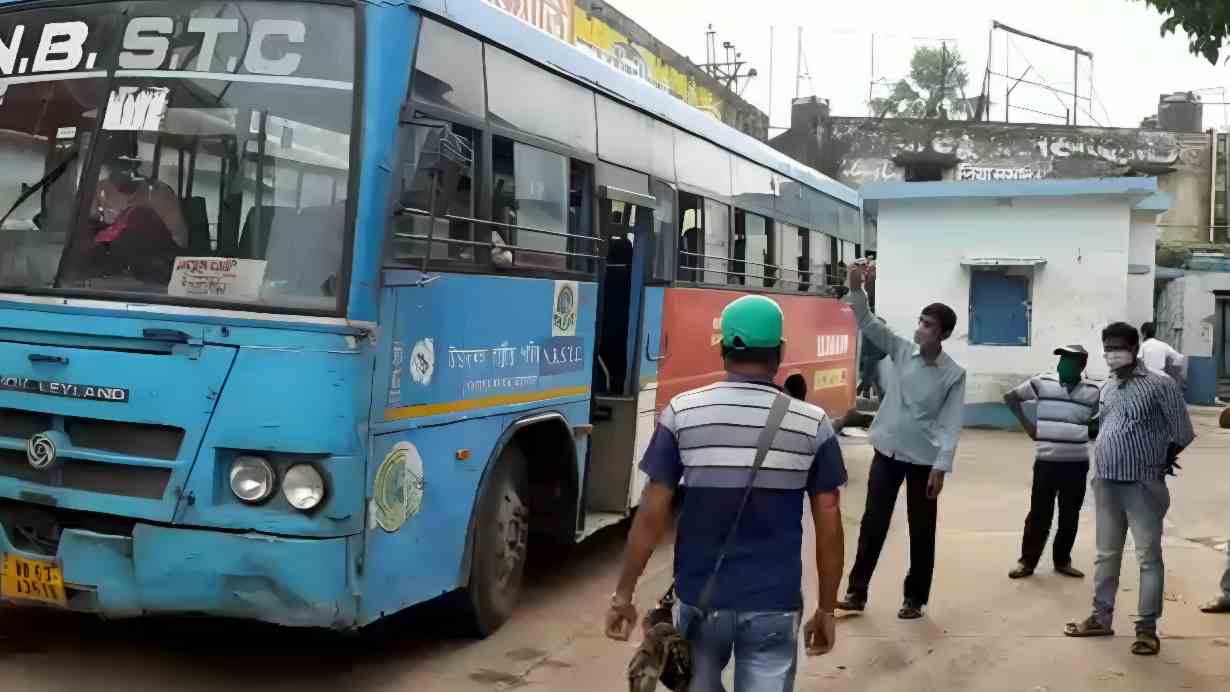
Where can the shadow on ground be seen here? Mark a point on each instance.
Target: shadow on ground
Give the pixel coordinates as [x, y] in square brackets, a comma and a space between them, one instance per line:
[53, 649]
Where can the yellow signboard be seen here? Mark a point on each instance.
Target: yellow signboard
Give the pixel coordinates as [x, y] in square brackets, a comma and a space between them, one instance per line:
[605, 43]
[830, 379]
[564, 20]
[551, 16]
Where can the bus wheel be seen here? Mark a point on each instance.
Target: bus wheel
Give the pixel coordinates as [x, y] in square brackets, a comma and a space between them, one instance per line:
[501, 537]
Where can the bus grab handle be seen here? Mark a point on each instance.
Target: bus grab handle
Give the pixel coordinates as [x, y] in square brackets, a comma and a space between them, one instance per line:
[666, 343]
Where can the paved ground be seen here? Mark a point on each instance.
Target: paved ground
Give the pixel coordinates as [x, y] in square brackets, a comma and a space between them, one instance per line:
[983, 632]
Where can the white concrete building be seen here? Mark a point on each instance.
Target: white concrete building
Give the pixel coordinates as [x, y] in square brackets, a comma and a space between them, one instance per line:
[1193, 316]
[1026, 265]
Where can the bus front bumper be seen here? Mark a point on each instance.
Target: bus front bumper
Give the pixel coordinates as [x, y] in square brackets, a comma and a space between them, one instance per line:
[159, 570]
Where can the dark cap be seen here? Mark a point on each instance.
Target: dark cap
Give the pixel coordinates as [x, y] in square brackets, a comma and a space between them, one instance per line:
[1073, 350]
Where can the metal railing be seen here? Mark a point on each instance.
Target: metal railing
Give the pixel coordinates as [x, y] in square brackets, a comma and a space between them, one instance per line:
[505, 246]
[826, 286]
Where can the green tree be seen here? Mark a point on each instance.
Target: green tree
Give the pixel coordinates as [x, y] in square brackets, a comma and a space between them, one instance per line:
[1207, 23]
[935, 87]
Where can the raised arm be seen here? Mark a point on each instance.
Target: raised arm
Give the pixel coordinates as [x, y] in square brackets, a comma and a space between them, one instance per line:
[876, 331]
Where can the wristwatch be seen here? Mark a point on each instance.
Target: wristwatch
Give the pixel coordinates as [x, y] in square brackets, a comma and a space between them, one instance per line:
[618, 601]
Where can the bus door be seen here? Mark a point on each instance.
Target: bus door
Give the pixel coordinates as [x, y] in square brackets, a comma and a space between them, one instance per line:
[627, 222]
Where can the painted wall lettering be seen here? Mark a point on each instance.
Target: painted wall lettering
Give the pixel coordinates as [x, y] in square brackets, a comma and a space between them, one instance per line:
[983, 173]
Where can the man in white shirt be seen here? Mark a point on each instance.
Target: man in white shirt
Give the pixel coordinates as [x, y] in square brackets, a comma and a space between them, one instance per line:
[1159, 356]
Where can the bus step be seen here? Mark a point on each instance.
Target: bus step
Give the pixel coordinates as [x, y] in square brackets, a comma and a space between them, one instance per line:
[596, 521]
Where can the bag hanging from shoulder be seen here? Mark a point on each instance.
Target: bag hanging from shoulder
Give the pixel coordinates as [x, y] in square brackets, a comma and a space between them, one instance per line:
[665, 654]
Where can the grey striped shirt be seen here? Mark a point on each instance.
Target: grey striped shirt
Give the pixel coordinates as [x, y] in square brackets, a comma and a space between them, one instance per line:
[1141, 417]
[717, 429]
[1063, 416]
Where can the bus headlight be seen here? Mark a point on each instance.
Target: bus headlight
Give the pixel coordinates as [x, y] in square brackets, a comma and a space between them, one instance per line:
[252, 479]
[303, 487]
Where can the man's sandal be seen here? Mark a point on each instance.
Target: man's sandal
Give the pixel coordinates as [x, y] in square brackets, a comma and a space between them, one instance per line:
[1146, 644]
[1220, 605]
[1090, 627]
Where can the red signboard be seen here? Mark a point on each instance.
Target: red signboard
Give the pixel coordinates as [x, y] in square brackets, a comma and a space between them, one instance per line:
[821, 345]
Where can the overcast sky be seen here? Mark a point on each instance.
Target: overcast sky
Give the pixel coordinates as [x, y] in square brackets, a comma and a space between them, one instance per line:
[1132, 64]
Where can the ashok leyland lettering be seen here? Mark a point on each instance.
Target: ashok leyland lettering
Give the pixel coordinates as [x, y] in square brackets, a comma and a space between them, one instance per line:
[289, 284]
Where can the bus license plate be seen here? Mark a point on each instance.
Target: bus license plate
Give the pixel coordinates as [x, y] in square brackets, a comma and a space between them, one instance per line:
[32, 580]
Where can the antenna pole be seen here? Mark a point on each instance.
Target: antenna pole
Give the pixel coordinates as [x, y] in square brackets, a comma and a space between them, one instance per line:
[771, 75]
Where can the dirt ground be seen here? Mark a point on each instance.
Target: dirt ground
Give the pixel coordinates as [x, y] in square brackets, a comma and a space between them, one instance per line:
[982, 631]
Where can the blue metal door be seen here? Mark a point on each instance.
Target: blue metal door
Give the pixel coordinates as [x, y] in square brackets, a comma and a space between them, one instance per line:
[999, 309]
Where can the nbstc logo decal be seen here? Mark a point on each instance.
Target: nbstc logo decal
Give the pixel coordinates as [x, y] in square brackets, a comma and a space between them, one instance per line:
[564, 309]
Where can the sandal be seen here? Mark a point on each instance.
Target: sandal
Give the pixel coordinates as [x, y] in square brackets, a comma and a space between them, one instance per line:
[1090, 627]
[1220, 605]
[1146, 644]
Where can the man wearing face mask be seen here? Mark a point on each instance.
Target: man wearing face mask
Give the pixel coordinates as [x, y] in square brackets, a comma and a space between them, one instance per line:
[1144, 427]
[915, 436]
[1066, 404]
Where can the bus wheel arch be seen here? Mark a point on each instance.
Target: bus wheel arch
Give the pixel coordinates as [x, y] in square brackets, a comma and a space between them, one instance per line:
[529, 491]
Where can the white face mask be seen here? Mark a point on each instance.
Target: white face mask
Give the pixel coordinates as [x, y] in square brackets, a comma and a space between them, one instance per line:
[1116, 360]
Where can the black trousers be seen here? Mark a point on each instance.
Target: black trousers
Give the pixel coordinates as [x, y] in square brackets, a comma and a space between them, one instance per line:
[883, 484]
[1065, 480]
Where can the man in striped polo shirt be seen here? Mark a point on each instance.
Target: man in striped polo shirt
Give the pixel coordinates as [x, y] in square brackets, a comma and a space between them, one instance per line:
[1144, 427]
[1066, 403]
[708, 438]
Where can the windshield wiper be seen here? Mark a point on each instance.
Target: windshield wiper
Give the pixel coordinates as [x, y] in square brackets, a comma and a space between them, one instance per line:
[52, 175]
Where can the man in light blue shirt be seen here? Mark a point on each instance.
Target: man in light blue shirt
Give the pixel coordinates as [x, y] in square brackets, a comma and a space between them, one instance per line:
[915, 437]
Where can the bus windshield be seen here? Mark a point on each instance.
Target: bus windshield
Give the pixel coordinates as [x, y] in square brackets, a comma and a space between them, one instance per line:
[182, 152]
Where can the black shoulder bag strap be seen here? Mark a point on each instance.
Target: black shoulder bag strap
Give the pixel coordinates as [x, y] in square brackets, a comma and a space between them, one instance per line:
[776, 414]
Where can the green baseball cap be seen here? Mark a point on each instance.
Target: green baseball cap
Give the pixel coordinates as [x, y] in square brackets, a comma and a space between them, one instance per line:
[752, 322]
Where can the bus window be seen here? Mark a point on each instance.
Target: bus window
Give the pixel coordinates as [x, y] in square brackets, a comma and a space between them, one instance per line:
[849, 251]
[531, 193]
[821, 260]
[754, 260]
[449, 70]
[580, 218]
[435, 148]
[842, 255]
[717, 241]
[795, 262]
[664, 231]
[691, 236]
[535, 101]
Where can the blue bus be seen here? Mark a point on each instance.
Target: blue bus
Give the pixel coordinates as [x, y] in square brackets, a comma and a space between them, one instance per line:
[313, 311]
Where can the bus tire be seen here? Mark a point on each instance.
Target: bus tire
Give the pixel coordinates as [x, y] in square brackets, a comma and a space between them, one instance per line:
[501, 539]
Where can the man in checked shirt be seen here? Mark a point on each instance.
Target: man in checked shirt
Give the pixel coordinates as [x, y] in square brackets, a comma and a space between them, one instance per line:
[1144, 428]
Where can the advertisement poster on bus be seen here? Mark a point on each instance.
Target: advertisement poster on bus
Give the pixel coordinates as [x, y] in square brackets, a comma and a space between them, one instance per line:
[820, 333]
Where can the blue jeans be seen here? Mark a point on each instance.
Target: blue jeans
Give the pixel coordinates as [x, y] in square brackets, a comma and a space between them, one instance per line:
[765, 646]
[1139, 507]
